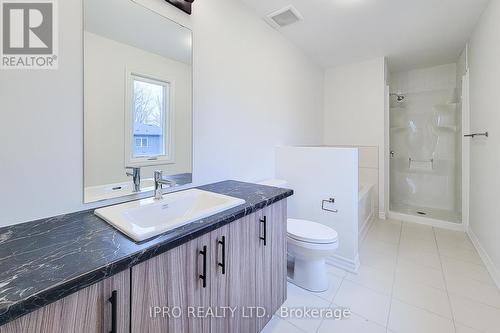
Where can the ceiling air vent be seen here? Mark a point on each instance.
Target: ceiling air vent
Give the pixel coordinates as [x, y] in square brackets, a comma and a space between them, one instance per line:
[283, 17]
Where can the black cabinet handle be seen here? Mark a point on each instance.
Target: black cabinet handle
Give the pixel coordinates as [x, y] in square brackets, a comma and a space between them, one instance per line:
[264, 238]
[222, 264]
[114, 307]
[203, 276]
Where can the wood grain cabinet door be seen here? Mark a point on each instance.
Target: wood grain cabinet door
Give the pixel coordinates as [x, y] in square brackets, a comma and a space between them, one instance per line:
[159, 293]
[263, 272]
[168, 291]
[198, 259]
[252, 285]
[271, 261]
[278, 217]
[241, 273]
[86, 311]
[220, 244]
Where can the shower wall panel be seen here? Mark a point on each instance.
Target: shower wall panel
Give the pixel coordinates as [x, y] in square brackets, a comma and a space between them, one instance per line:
[424, 126]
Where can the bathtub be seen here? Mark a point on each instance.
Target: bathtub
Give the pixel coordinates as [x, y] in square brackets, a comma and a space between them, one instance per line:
[366, 208]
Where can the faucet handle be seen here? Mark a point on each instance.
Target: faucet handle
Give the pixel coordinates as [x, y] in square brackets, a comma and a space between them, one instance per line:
[158, 175]
[135, 171]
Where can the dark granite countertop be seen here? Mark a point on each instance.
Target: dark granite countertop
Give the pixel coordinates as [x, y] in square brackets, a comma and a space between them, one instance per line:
[45, 260]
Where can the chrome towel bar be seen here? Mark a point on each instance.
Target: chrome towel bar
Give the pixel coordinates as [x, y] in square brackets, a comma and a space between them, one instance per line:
[473, 135]
[329, 201]
[431, 161]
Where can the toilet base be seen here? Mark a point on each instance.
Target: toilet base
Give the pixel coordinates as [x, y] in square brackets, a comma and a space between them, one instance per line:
[309, 274]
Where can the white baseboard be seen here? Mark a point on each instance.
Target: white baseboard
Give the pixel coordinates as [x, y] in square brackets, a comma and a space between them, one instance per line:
[426, 221]
[382, 216]
[344, 263]
[490, 266]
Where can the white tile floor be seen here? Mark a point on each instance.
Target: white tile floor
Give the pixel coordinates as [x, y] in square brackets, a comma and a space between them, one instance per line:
[412, 278]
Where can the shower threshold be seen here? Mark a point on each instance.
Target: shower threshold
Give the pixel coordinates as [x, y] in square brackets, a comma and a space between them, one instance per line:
[426, 212]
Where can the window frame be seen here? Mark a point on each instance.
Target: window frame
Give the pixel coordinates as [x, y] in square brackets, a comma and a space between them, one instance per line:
[168, 137]
[142, 140]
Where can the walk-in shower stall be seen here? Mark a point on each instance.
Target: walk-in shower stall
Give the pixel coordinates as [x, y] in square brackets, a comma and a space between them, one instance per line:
[426, 142]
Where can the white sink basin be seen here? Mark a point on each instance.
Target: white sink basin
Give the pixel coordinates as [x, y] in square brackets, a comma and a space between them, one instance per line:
[147, 218]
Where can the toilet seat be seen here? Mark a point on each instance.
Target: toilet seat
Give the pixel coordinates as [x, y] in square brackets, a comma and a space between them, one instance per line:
[319, 248]
[310, 232]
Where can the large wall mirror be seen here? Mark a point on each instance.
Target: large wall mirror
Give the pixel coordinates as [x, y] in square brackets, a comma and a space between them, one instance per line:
[138, 99]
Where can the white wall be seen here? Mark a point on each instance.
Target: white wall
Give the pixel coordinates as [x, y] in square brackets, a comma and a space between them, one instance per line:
[354, 109]
[106, 63]
[484, 61]
[336, 170]
[424, 80]
[252, 91]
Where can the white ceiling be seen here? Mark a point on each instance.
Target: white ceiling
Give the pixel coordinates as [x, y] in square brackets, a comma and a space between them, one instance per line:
[411, 33]
[130, 23]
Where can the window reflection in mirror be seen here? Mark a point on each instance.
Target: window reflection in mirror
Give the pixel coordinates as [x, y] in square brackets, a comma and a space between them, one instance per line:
[138, 99]
[148, 126]
[150, 114]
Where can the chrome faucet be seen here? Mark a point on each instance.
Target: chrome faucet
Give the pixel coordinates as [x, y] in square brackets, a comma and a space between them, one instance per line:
[159, 182]
[136, 177]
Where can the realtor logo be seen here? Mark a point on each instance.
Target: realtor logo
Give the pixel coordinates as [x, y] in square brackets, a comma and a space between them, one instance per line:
[29, 34]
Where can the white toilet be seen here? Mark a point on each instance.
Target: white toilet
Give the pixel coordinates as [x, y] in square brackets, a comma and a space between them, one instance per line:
[309, 244]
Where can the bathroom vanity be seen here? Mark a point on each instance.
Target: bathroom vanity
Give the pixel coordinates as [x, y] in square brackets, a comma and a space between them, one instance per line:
[217, 259]
[75, 273]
